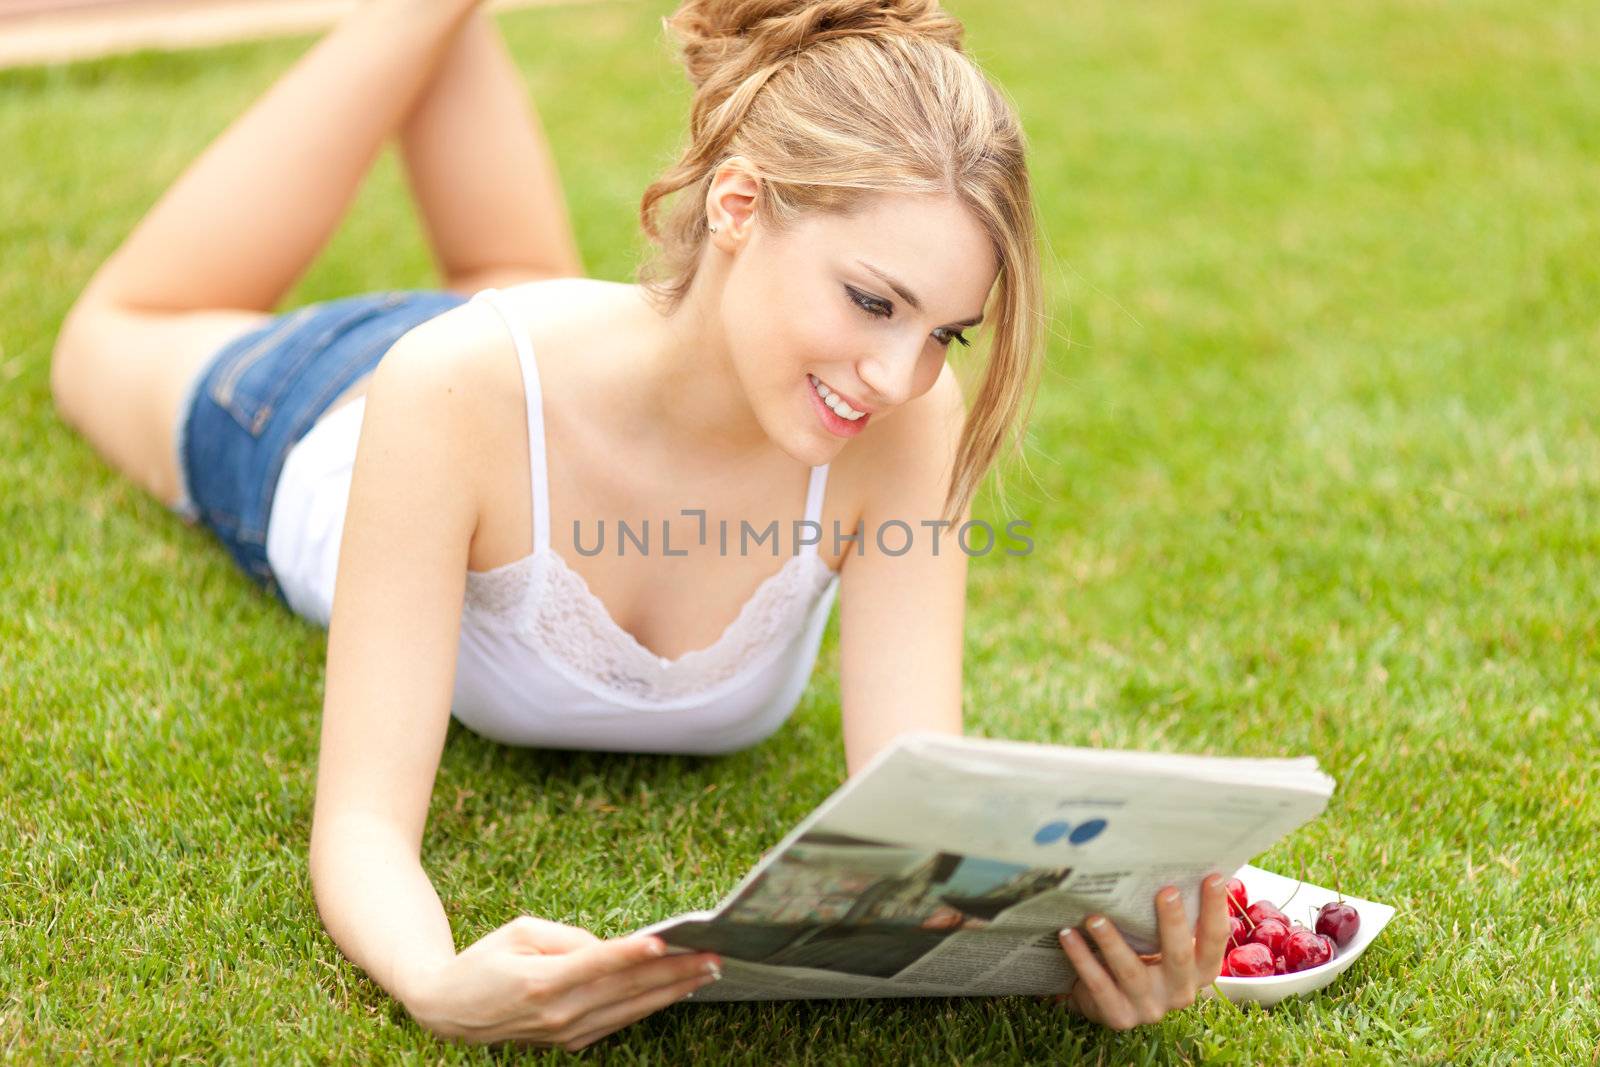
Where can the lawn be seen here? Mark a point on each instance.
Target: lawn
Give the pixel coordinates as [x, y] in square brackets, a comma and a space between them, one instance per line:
[1315, 469]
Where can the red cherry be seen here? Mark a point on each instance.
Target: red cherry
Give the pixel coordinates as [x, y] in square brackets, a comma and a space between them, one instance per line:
[1262, 910]
[1339, 921]
[1306, 950]
[1240, 932]
[1237, 899]
[1271, 933]
[1278, 965]
[1250, 961]
[1333, 946]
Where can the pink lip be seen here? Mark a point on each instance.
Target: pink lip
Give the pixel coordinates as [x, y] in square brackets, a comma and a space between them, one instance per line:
[848, 399]
[835, 425]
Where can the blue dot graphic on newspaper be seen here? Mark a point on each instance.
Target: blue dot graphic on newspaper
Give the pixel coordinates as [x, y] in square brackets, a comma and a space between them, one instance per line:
[1087, 832]
[1051, 832]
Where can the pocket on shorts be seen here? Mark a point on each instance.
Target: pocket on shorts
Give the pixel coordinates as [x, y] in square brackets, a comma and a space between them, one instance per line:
[252, 381]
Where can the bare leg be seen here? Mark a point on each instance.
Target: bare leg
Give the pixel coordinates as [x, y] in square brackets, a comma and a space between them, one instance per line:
[483, 175]
[223, 245]
[248, 217]
[481, 172]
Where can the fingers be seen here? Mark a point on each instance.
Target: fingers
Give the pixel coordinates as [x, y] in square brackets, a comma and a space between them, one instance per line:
[1211, 935]
[1131, 975]
[604, 958]
[614, 1017]
[1125, 991]
[1177, 949]
[643, 980]
[1096, 994]
[557, 1010]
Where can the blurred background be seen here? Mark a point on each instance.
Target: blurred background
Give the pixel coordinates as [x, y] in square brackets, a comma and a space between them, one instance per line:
[1314, 468]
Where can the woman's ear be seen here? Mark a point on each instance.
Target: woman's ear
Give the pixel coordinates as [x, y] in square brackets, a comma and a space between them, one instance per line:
[731, 201]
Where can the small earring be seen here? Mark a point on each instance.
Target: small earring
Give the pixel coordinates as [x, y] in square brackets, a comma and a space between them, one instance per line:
[713, 229]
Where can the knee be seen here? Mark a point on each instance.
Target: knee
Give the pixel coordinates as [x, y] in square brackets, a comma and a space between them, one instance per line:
[70, 357]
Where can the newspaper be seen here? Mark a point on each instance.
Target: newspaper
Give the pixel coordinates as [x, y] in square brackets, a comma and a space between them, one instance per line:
[948, 864]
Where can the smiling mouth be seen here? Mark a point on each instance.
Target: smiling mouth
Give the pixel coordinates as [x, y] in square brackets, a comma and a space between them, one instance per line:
[835, 402]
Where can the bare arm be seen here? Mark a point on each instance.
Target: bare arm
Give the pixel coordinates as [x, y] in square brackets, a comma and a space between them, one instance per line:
[901, 617]
[391, 667]
[392, 648]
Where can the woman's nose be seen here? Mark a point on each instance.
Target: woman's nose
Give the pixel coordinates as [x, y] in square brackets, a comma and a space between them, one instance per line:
[889, 376]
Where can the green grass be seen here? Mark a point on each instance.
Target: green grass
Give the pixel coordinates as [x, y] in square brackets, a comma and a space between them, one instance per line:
[1315, 469]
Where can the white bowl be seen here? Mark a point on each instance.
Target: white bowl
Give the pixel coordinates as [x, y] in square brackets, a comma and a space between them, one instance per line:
[1264, 885]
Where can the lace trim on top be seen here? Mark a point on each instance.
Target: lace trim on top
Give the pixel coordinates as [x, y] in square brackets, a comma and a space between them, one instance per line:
[551, 608]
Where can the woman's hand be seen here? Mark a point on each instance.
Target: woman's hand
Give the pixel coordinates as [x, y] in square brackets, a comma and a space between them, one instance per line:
[1129, 990]
[544, 984]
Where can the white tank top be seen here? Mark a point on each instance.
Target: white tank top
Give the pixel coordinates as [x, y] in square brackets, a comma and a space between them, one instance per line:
[540, 661]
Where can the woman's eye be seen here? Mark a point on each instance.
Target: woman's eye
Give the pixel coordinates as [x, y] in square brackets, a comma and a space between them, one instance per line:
[869, 305]
[879, 309]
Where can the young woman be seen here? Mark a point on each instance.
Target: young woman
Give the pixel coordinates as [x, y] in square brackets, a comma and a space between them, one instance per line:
[852, 190]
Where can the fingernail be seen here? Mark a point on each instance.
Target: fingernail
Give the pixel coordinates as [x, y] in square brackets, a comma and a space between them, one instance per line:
[1067, 935]
[714, 970]
[1213, 881]
[1169, 896]
[1096, 922]
[658, 947]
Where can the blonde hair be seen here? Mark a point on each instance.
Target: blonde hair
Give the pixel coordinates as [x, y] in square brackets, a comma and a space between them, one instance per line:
[834, 100]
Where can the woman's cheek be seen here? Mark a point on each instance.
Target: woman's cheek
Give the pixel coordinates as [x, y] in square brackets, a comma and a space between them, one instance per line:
[928, 372]
[822, 343]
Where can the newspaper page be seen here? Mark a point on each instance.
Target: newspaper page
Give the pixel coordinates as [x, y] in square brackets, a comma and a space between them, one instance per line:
[947, 866]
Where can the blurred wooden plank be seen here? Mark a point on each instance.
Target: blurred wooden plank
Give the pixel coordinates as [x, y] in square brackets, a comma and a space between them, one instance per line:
[10, 8]
[36, 7]
[59, 31]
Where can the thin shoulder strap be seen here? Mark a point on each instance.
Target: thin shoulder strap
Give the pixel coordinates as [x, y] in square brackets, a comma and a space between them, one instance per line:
[814, 493]
[535, 401]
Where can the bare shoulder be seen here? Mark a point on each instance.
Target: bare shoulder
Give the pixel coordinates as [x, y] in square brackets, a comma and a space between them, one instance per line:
[475, 341]
[459, 377]
[466, 351]
[561, 317]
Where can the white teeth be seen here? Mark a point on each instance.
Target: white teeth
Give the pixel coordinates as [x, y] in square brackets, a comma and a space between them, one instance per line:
[829, 397]
[841, 409]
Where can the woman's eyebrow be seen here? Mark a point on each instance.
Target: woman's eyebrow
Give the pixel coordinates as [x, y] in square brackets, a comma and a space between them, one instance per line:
[908, 296]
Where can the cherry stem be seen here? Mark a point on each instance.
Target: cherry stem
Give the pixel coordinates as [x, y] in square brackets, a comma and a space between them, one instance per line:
[1285, 907]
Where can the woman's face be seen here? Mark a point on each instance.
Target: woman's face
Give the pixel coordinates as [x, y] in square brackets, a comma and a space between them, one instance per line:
[866, 306]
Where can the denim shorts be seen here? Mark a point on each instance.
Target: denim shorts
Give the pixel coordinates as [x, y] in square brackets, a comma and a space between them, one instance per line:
[262, 392]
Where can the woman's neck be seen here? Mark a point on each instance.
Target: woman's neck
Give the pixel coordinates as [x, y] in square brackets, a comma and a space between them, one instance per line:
[684, 392]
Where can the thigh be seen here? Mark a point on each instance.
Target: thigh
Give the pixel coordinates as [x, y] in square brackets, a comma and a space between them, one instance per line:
[121, 375]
